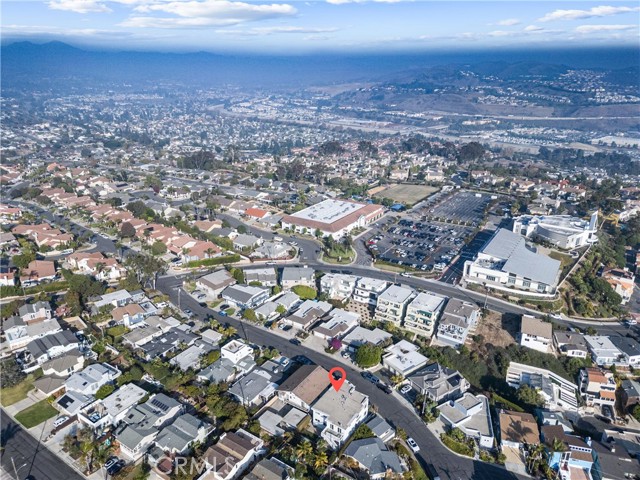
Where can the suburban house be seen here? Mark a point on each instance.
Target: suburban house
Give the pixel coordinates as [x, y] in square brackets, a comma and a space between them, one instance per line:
[558, 392]
[374, 457]
[130, 315]
[597, 387]
[231, 455]
[119, 298]
[270, 469]
[603, 352]
[36, 272]
[629, 348]
[18, 334]
[255, 388]
[143, 423]
[267, 277]
[403, 358]
[112, 409]
[64, 365]
[214, 283]
[245, 296]
[422, 313]
[368, 290]
[629, 394]
[472, 415]
[304, 386]
[292, 276]
[178, 437]
[190, 357]
[89, 380]
[570, 456]
[337, 413]
[271, 250]
[381, 428]
[336, 323]
[338, 286]
[517, 430]
[622, 281]
[535, 334]
[307, 314]
[360, 335]
[50, 346]
[35, 312]
[392, 304]
[439, 383]
[571, 344]
[458, 319]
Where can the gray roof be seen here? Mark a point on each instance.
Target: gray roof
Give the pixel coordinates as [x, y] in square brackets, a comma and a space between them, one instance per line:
[252, 385]
[241, 293]
[261, 275]
[219, 371]
[379, 426]
[180, 433]
[40, 346]
[11, 322]
[33, 308]
[268, 469]
[631, 388]
[374, 455]
[245, 240]
[511, 247]
[296, 274]
[626, 345]
[436, 379]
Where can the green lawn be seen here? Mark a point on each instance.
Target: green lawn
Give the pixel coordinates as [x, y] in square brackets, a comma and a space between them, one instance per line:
[36, 414]
[11, 395]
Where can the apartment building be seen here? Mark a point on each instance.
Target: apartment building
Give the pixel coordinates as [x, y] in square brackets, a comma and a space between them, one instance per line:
[392, 304]
[423, 312]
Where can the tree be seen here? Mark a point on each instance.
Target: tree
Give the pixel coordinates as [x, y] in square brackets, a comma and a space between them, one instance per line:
[158, 248]
[636, 412]
[10, 373]
[281, 309]
[104, 391]
[241, 229]
[250, 314]
[127, 230]
[368, 355]
[363, 431]
[23, 260]
[320, 461]
[304, 450]
[238, 274]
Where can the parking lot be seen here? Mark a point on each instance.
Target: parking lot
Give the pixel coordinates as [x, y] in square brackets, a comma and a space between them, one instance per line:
[418, 244]
[460, 207]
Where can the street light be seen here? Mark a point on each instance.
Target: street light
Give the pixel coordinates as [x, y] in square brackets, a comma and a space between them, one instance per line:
[16, 470]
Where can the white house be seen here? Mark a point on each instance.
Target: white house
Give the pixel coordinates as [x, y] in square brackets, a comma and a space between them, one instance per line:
[368, 290]
[535, 334]
[336, 323]
[338, 413]
[89, 380]
[338, 286]
[236, 350]
[558, 392]
[603, 352]
[458, 319]
[404, 358]
[472, 415]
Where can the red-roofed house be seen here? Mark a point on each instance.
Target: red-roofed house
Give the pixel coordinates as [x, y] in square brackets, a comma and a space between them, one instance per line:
[256, 213]
[38, 271]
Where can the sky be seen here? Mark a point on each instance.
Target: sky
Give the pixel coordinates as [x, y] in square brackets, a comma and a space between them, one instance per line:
[366, 26]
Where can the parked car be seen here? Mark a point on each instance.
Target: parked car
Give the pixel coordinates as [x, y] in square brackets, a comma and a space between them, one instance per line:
[371, 377]
[607, 411]
[111, 461]
[631, 321]
[406, 389]
[384, 387]
[413, 445]
[59, 421]
[188, 312]
[223, 313]
[295, 341]
[116, 468]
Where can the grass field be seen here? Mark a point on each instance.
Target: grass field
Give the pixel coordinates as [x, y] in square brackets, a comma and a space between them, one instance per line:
[11, 395]
[36, 414]
[406, 193]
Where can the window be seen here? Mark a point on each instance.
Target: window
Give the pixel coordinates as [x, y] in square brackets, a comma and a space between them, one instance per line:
[526, 283]
[491, 278]
[512, 279]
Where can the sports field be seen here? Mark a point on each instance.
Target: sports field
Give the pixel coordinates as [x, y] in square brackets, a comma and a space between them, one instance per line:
[406, 193]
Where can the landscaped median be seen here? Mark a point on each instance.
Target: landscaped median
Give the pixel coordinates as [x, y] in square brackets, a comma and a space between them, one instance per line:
[36, 414]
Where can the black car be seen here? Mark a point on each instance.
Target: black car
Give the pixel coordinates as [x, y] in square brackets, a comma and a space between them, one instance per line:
[302, 360]
[384, 387]
[295, 341]
[116, 468]
[371, 377]
[607, 411]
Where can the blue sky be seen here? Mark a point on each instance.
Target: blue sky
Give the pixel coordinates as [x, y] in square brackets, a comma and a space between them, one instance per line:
[328, 25]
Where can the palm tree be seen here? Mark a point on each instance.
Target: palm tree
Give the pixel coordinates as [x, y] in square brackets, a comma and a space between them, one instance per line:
[320, 461]
[558, 445]
[304, 450]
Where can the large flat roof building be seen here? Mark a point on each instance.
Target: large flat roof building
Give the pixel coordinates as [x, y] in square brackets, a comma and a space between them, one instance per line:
[563, 231]
[335, 218]
[506, 263]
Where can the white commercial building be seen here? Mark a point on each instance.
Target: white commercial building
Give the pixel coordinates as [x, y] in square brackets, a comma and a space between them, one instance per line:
[506, 263]
[335, 218]
[563, 231]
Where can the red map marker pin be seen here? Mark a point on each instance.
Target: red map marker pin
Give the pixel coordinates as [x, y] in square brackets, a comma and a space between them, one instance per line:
[337, 383]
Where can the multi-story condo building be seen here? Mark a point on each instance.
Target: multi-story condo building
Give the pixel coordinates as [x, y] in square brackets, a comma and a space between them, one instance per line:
[368, 290]
[597, 387]
[422, 313]
[392, 304]
[338, 286]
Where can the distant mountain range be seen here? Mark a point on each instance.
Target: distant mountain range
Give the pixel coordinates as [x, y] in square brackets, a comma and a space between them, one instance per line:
[26, 63]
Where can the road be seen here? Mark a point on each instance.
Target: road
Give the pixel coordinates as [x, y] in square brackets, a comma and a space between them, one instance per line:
[431, 450]
[32, 460]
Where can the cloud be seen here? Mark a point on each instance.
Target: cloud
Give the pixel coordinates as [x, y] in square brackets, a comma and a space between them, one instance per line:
[509, 22]
[79, 6]
[275, 30]
[342, 2]
[205, 13]
[601, 11]
[603, 28]
[533, 28]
